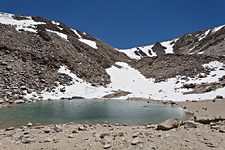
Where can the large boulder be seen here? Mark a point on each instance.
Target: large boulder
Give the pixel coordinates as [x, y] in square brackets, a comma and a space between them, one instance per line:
[168, 124]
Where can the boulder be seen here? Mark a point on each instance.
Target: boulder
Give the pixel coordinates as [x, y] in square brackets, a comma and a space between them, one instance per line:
[168, 124]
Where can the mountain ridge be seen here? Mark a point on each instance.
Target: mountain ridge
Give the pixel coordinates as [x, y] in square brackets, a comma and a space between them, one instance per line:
[44, 59]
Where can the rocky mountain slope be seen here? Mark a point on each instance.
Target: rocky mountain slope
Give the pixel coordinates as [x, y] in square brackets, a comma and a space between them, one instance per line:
[208, 42]
[42, 59]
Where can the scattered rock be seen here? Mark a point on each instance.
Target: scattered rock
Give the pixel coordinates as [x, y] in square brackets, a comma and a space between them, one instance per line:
[168, 124]
[135, 141]
[20, 101]
[222, 131]
[29, 124]
[9, 129]
[103, 135]
[136, 134]
[219, 97]
[70, 136]
[190, 124]
[28, 140]
[57, 128]
[81, 128]
[107, 146]
[47, 140]
[47, 130]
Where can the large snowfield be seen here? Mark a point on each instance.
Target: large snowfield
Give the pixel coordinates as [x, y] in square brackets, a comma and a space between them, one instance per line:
[127, 78]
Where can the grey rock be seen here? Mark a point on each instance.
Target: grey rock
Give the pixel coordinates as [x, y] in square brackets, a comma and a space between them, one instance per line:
[107, 146]
[135, 134]
[47, 140]
[20, 101]
[9, 129]
[168, 124]
[190, 124]
[57, 128]
[70, 136]
[81, 128]
[135, 141]
[29, 124]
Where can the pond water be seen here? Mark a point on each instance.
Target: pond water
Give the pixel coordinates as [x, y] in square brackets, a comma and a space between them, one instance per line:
[91, 111]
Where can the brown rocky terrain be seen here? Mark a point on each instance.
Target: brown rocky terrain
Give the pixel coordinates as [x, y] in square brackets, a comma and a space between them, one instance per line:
[30, 61]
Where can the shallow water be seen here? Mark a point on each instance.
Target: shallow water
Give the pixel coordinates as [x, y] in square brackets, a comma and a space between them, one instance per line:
[91, 111]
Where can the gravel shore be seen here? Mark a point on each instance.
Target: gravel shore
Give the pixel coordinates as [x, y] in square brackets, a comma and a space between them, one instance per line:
[189, 134]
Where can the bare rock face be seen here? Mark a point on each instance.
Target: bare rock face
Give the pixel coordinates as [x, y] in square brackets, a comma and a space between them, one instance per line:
[159, 49]
[168, 124]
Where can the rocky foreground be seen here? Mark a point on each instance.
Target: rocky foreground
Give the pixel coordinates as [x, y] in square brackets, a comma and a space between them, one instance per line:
[206, 130]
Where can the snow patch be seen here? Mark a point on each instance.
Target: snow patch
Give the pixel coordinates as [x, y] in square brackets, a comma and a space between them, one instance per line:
[218, 28]
[64, 36]
[26, 25]
[127, 78]
[204, 35]
[89, 42]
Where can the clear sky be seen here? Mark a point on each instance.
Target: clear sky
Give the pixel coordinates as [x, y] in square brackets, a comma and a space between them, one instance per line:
[126, 23]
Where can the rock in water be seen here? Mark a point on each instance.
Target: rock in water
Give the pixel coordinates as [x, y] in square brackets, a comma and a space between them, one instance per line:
[168, 124]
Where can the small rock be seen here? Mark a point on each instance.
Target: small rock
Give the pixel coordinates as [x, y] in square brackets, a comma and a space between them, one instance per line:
[190, 124]
[2, 101]
[47, 140]
[29, 124]
[70, 136]
[81, 128]
[47, 131]
[209, 144]
[135, 141]
[222, 131]
[107, 146]
[57, 128]
[219, 97]
[9, 129]
[121, 134]
[20, 101]
[74, 131]
[28, 141]
[136, 134]
[104, 135]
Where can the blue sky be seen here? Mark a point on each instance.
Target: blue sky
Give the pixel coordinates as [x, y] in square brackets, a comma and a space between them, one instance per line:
[126, 23]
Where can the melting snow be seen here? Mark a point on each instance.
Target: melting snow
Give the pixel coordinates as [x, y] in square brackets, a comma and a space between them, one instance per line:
[64, 36]
[218, 28]
[91, 43]
[131, 52]
[204, 35]
[27, 25]
[127, 78]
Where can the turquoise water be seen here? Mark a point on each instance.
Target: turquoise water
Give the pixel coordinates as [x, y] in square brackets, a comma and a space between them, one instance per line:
[91, 111]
